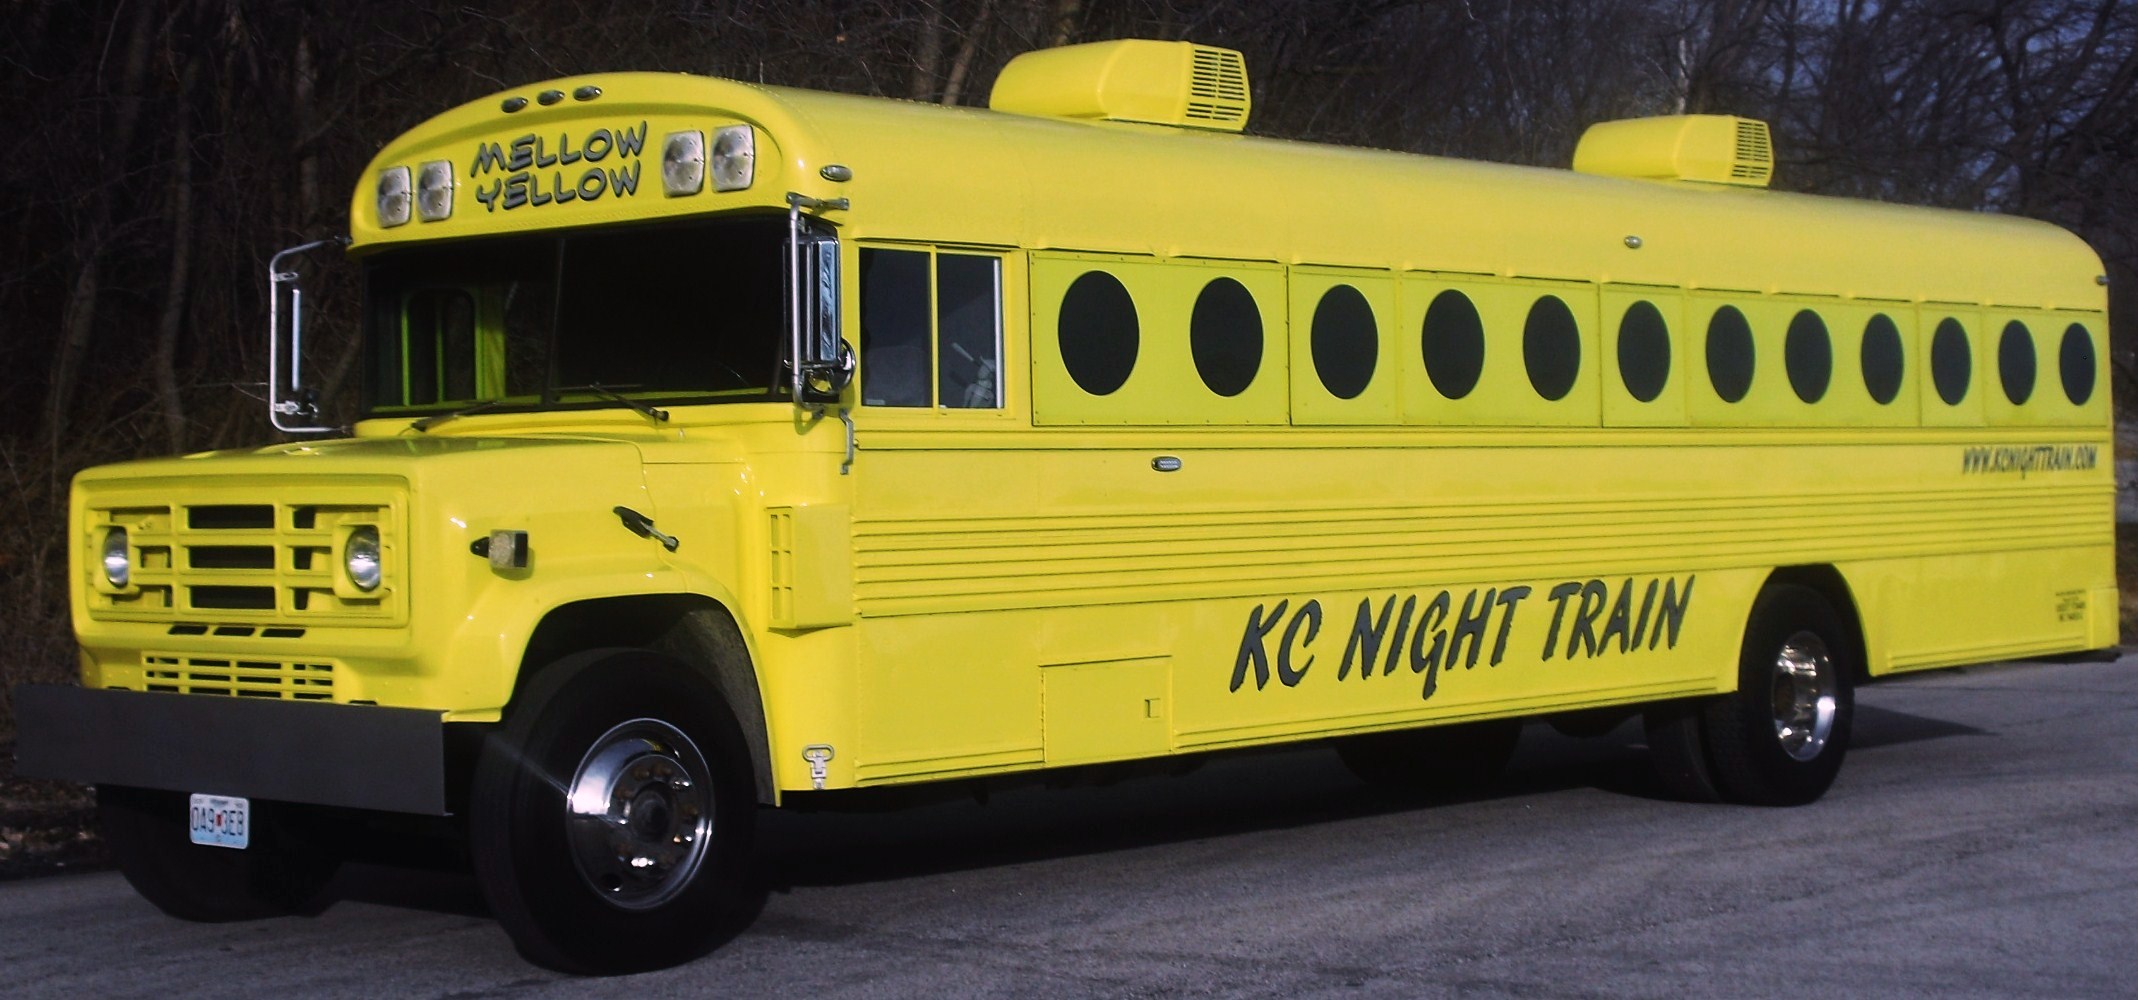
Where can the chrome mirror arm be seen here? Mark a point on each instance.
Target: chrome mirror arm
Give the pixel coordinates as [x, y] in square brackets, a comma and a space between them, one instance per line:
[302, 415]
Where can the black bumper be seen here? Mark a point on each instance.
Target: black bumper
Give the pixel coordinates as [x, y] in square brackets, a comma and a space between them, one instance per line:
[358, 756]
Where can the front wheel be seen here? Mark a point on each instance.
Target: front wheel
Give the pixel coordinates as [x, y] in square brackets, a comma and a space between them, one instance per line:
[611, 816]
[1780, 738]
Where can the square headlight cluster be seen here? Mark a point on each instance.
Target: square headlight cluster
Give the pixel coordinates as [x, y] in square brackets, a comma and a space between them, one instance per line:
[430, 197]
[685, 160]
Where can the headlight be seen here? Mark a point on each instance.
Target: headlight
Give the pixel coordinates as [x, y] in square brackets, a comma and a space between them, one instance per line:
[361, 557]
[393, 197]
[118, 558]
[734, 158]
[683, 163]
[434, 191]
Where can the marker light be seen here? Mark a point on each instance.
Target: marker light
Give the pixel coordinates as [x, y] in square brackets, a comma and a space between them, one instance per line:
[118, 558]
[393, 197]
[734, 158]
[507, 549]
[683, 163]
[361, 557]
[434, 191]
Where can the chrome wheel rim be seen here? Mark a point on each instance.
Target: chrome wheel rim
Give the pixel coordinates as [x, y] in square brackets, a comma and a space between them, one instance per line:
[639, 814]
[1805, 687]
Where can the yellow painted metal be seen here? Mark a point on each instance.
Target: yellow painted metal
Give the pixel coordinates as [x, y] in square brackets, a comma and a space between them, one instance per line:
[1504, 394]
[1713, 149]
[1031, 586]
[1128, 80]
[1380, 399]
[1105, 711]
[1165, 293]
[1772, 400]
[812, 571]
[457, 641]
[1620, 407]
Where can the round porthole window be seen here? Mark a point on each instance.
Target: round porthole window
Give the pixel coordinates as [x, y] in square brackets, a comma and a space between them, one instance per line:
[2075, 362]
[1453, 344]
[1551, 348]
[1952, 362]
[1808, 356]
[1644, 352]
[2015, 362]
[1729, 354]
[1345, 342]
[1884, 365]
[1098, 333]
[1225, 337]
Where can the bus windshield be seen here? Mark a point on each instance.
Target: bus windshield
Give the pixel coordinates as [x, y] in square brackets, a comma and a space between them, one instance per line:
[677, 313]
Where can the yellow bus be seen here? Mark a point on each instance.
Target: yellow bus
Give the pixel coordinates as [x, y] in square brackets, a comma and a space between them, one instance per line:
[727, 447]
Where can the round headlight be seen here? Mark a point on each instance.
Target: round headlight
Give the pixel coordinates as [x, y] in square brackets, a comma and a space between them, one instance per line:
[118, 558]
[361, 558]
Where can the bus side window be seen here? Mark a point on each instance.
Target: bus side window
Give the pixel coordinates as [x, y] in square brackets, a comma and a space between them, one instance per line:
[969, 325]
[894, 327]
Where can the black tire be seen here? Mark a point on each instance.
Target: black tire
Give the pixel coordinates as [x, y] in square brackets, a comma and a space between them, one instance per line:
[281, 873]
[1677, 751]
[1780, 738]
[1436, 761]
[570, 906]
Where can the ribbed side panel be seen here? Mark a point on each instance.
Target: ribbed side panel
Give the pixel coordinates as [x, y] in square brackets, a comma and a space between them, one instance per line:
[970, 564]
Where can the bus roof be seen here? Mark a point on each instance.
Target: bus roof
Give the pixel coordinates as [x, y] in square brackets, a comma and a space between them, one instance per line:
[923, 172]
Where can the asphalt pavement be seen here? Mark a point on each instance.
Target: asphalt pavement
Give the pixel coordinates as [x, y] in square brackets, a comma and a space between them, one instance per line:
[1980, 842]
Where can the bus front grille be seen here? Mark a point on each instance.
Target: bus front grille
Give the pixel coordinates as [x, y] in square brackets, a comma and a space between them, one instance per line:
[217, 559]
[238, 678]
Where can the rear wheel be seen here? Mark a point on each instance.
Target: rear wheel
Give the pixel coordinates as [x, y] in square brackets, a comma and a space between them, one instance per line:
[1780, 738]
[1441, 760]
[611, 816]
[281, 872]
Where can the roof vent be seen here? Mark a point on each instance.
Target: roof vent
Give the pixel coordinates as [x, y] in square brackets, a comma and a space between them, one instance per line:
[1131, 80]
[1713, 149]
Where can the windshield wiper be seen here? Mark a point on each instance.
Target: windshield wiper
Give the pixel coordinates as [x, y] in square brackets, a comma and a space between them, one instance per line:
[435, 419]
[654, 414]
[651, 413]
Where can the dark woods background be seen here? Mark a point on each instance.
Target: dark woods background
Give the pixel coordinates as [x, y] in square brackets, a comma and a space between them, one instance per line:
[157, 151]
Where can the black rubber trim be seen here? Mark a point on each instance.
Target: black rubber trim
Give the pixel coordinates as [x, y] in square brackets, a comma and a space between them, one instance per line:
[356, 756]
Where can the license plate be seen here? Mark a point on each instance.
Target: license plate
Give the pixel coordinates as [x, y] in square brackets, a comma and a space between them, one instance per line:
[222, 821]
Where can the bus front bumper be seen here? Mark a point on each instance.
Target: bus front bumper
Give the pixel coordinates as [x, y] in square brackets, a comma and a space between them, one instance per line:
[356, 756]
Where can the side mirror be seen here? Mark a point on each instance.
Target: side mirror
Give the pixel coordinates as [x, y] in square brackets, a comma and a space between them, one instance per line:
[827, 363]
[292, 407]
[822, 362]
